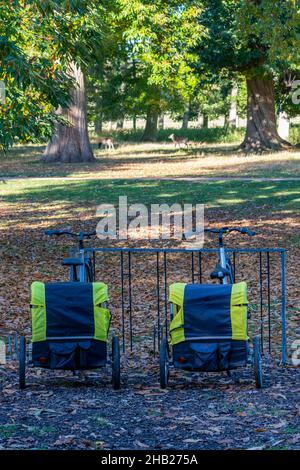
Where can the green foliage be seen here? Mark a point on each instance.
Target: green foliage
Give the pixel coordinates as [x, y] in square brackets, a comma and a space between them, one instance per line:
[213, 96]
[295, 134]
[171, 56]
[273, 29]
[210, 135]
[242, 98]
[249, 36]
[38, 41]
[150, 61]
[252, 38]
[33, 82]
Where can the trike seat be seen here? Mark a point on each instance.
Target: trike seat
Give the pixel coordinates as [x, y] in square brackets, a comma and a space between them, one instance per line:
[72, 262]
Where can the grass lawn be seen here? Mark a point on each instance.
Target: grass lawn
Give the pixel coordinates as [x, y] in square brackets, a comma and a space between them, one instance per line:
[240, 197]
[160, 160]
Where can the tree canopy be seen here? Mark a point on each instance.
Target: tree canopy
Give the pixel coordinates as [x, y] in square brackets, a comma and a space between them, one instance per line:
[39, 39]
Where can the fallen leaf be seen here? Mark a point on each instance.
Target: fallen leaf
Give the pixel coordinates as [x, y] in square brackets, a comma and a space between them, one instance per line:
[192, 441]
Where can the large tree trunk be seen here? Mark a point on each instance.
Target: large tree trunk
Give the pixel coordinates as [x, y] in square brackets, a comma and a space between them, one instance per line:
[261, 133]
[150, 131]
[70, 143]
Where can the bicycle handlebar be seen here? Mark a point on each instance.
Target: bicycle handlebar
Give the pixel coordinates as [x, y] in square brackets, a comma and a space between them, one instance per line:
[221, 231]
[57, 232]
[80, 235]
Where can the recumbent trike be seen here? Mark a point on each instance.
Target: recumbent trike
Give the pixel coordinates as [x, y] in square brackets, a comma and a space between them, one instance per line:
[208, 327]
[71, 320]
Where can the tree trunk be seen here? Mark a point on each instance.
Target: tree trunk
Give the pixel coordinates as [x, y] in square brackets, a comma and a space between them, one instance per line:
[98, 123]
[261, 133]
[205, 121]
[134, 122]
[150, 131]
[161, 121]
[226, 120]
[70, 143]
[186, 118]
[120, 123]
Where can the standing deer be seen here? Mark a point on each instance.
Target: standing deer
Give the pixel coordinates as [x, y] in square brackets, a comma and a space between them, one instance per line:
[107, 143]
[179, 140]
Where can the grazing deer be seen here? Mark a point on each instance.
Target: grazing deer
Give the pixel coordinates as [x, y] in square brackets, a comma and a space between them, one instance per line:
[107, 143]
[179, 140]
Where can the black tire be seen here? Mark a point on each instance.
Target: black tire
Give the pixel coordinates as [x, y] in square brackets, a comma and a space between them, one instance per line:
[22, 363]
[257, 362]
[164, 370]
[116, 368]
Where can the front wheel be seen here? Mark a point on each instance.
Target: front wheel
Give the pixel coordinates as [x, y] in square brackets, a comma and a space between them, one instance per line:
[116, 369]
[164, 364]
[22, 363]
[257, 362]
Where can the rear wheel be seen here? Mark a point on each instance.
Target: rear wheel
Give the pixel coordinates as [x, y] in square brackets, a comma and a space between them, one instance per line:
[116, 369]
[164, 364]
[22, 363]
[257, 362]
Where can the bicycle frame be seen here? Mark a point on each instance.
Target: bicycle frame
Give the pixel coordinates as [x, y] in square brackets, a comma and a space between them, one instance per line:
[225, 263]
[82, 272]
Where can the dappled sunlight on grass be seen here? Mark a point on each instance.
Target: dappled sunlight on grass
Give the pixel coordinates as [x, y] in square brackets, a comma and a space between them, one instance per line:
[237, 195]
[156, 160]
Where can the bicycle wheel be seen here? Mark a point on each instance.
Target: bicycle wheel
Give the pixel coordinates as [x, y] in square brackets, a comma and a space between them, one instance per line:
[257, 362]
[116, 368]
[22, 363]
[164, 370]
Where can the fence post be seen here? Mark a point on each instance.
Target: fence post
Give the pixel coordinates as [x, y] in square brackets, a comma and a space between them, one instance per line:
[283, 310]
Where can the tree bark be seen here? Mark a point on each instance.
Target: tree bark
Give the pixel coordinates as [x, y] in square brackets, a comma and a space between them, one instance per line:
[261, 132]
[205, 121]
[70, 143]
[186, 118]
[134, 122]
[98, 123]
[150, 132]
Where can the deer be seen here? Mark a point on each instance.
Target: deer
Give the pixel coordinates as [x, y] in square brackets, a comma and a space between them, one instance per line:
[107, 143]
[179, 140]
